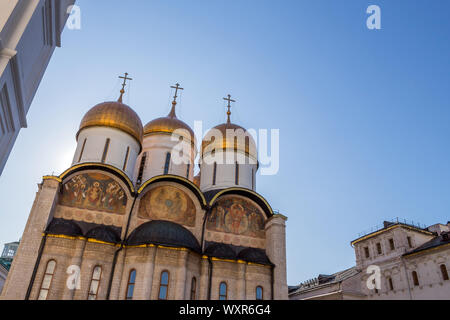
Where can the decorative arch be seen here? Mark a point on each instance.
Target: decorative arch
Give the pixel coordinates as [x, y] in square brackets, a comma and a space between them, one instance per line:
[246, 193]
[177, 179]
[100, 166]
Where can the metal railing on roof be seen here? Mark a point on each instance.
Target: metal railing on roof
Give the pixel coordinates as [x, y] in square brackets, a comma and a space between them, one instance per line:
[393, 221]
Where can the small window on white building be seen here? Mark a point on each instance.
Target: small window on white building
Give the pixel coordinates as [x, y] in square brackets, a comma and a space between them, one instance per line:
[391, 244]
[409, 242]
[366, 252]
[379, 248]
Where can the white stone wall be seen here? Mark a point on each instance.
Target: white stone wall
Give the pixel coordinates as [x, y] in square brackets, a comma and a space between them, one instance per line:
[118, 145]
[226, 172]
[156, 146]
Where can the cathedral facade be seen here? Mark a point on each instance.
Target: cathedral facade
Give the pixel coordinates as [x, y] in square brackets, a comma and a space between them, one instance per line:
[129, 220]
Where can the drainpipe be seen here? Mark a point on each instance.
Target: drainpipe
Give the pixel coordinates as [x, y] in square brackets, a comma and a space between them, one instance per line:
[204, 227]
[122, 243]
[36, 265]
[210, 271]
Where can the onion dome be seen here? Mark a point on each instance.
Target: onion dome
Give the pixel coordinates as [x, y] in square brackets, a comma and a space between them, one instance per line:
[166, 233]
[114, 114]
[167, 125]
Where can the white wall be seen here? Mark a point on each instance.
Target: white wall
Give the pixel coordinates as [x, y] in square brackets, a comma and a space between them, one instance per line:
[95, 145]
[157, 146]
[226, 173]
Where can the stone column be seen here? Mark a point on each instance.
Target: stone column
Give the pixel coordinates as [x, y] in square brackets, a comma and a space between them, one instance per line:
[276, 251]
[149, 273]
[203, 287]
[180, 284]
[241, 283]
[76, 260]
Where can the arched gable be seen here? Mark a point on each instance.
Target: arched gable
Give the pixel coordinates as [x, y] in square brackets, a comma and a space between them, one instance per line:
[100, 166]
[177, 179]
[245, 193]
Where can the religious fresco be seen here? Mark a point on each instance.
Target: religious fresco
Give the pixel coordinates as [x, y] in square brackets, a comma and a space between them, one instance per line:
[94, 191]
[237, 216]
[168, 203]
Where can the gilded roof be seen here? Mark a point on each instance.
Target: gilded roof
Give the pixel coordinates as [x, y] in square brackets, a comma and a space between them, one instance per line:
[224, 136]
[114, 114]
[168, 125]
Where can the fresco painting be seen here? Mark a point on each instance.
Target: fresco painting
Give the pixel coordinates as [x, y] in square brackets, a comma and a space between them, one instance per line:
[168, 203]
[237, 216]
[94, 191]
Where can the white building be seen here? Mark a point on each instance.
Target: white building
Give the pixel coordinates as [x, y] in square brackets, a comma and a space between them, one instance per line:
[29, 32]
[413, 263]
[9, 251]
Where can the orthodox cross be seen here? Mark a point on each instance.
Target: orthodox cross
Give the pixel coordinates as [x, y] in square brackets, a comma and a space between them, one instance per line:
[229, 106]
[176, 87]
[122, 91]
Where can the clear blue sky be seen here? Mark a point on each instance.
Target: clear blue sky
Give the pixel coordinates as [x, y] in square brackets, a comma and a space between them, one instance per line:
[363, 115]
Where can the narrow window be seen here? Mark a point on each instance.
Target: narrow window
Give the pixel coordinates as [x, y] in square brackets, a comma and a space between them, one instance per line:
[105, 151]
[415, 278]
[131, 283]
[164, 286]
[47, 280]
[141, 168]
[391, 244]
[95, 282]
[82, 150]
[391, 284]
[214, 173]
[167, 164]
[193, 288]
[187, 170]
[259, 293]
[236, 178]
[379, 248]
[366, 251]
[253, 179]
[409, 242]
[376, 290]
[125, 162]
[444, 272]
[223, 291]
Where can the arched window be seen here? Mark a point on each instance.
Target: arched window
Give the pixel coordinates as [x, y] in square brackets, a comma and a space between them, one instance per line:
[105, 150]
[415, 278]
[391, 284]
[444, 272]
[163, 286]
[214, 173]
[130, 285]
[167, 164]
[95, 283]
[259, 293]
[125, 162]
[47, 280]
[223, 291]
[236, 178]
[82, 149]
[193, 288]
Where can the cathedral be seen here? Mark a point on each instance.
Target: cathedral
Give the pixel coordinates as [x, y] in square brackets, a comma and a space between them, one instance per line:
[129, 220]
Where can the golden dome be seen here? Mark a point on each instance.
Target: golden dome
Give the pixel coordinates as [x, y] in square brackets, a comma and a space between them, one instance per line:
[114, 114]
[244, 142]
[168, 125]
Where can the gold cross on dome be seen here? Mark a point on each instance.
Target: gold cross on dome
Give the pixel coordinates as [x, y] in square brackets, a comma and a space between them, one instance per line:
[176, 87]
[122, 91]
[229, 106]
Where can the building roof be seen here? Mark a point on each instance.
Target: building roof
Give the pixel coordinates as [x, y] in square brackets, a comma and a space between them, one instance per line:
[232, 252]
[324, 280]
[438, 241]
[387, 225]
